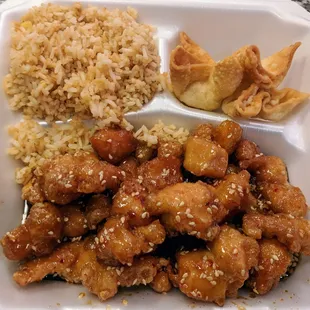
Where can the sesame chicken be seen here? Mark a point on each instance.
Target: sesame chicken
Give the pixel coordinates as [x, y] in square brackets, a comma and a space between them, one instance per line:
[77, 263]
[293, 232]
[39, 235]
[227, 134]
[118, 242]
[187, 208]
[113, 145]
[273, 261]
[66, 177]
[98, 208]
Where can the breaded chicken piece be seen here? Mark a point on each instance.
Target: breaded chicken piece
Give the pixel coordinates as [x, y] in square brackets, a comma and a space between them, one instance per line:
[144, 152]
[246, 150]
[292, 232]
[64, 178]
[235, 255]
[77, 263]
[200, 277]
[113, 145]
[98, 208]
[129, 201]
[232, 169]
[284, 198]
[187, 208]
[143, 271]
[32, 192]
[273, 261]
[270, 169]
[204, 157]
[117, 242]
[227, 134]
[129, 167]
[170, 148]
[233, 189]
[75, 222]
[160, 172]
[161, 282]
[212, 275]
[40, 234]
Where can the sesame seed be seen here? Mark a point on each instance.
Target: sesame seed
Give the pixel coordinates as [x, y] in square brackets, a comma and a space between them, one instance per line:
[216, 200]
[233, 185]
[90, 172]
[261, 268]
[189, 216]
[271, 260]
[209, 210]
[84, 226]
[151, 243]
[123, 219]
[255, 291]
[109, 140]
[123, 173]
[178, 219]
[66, 219]
[289, 236]
[135, 281]
[158, 204]
[275, 257]
[291, 216]
[97, 240]
[235, 251]
[192, 224]
[144, 215]
[181, 204]
[68, 269]
[68, 185]
[209, 278]
[114, 177]
[51, 232]
[229, 136]
[213, 283]
[242, 272]
[58, 219]
[144, 282]
[209, 234]
[110, 156]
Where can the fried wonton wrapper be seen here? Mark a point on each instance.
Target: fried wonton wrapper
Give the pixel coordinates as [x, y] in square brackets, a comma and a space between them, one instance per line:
[270, 104]
[248, 104]
[201, 83]
[269, 72]
[197, 80]
[281, 103]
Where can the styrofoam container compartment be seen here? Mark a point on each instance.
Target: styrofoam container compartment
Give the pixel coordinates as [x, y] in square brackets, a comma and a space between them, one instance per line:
[220, 27]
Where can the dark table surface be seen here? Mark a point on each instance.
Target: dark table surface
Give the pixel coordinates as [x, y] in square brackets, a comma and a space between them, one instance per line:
[304, 3]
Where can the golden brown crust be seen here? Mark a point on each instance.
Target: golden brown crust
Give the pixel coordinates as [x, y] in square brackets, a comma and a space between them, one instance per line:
[39, 235]
[113, 145]
[273, 261]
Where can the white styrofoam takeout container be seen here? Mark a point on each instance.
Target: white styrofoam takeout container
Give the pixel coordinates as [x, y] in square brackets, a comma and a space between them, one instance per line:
[221, 27]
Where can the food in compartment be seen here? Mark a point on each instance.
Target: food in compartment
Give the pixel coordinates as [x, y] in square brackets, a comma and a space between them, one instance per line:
[85, 61]
[116, 221]
[242, 85]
